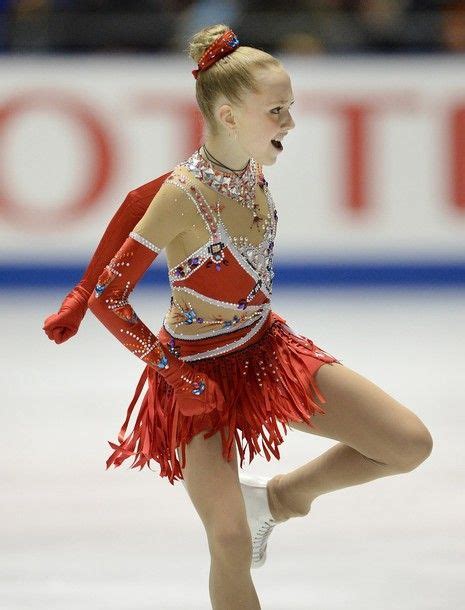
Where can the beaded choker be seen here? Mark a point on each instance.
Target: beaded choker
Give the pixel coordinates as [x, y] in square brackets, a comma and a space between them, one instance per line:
[236, 186]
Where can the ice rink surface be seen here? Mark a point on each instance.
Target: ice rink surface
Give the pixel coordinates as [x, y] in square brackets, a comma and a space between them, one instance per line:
[75, 536]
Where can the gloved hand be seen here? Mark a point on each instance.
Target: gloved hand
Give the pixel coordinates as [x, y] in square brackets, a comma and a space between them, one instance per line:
[63, 324]
[195, 392]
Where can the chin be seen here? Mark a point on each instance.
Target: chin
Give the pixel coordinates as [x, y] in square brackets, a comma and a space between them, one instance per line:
[267, 159]
[269, 162]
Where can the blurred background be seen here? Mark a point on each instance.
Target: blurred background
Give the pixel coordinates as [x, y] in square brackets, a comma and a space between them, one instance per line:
[96, 99]
[302, 26]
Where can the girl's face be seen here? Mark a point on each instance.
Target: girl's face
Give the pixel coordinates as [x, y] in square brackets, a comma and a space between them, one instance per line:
[265, 116]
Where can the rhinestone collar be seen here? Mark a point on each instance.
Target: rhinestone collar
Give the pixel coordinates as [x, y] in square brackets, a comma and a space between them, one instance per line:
[236, 186]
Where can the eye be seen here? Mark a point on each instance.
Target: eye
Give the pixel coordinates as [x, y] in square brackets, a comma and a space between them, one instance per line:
[278, 108]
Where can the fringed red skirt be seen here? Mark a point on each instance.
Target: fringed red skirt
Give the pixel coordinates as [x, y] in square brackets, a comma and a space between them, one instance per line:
[267, 381]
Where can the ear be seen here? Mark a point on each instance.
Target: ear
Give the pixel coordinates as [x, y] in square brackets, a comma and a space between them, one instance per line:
[225, 116]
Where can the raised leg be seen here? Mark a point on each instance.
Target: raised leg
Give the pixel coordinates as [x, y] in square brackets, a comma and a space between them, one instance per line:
[377, 435]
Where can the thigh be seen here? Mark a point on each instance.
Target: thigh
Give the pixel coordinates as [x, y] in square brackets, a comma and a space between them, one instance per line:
[213, 486]
[362, 415]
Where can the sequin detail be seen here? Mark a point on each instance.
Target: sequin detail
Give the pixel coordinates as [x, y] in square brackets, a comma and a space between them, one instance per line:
[220, 47]
[220, 252]
[258, 259]
[224, 349]
[137, 337]
[236, 186]
[145, 242]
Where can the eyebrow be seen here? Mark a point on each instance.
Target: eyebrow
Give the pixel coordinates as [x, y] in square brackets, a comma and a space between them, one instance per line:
[282, 102]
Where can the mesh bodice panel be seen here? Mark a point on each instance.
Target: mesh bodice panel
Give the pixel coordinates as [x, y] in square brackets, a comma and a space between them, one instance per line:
[220, 265]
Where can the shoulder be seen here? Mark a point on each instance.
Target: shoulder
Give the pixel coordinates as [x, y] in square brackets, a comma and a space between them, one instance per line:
[147, 191]
[169, 213]
[162, 192]
[176, 191]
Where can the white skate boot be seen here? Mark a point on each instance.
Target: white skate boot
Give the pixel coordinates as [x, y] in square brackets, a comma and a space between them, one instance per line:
[259, 518]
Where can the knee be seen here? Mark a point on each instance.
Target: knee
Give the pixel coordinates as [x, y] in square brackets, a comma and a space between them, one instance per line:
[416, 447]
[231, 542]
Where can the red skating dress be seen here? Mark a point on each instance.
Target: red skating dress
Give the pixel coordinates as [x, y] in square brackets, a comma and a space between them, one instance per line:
[218, 231]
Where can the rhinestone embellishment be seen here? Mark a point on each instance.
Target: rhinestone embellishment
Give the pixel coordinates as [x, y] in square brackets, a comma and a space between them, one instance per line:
[237, 186]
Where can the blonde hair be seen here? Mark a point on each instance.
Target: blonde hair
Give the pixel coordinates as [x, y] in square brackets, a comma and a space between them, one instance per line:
[232, 76]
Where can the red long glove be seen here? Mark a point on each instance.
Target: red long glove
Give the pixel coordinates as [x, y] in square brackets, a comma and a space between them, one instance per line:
[63, 324]
[109, 303]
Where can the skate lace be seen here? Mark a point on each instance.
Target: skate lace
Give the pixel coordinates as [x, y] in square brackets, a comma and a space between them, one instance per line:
[260, 540]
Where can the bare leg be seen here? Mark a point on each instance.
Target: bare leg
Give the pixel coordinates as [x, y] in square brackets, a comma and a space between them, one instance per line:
[378, 437]
[214, 488]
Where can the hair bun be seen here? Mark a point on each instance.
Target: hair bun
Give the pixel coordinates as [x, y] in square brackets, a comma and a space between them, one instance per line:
[200, 41]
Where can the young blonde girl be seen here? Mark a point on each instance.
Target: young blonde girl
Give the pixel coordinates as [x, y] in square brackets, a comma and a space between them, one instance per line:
[225, 369]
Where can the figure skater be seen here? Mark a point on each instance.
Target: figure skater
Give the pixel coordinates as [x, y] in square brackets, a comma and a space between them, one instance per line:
[224, 369]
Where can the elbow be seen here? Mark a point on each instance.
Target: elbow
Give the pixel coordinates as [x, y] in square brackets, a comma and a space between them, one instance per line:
[94, 304]
[96, 300]
[98, 305]
[91, 300]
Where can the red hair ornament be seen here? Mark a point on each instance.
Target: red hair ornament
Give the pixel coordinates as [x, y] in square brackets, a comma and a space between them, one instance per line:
[222, 46]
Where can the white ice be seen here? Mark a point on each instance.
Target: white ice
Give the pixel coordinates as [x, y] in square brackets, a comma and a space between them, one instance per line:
[75, 536]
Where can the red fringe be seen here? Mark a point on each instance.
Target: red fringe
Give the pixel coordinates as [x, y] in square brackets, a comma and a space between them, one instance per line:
[286, 364]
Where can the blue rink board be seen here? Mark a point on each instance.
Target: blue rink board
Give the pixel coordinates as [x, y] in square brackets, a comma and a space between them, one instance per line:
[286, 274]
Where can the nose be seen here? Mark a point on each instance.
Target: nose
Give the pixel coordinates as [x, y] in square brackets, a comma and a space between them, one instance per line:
[289, 123]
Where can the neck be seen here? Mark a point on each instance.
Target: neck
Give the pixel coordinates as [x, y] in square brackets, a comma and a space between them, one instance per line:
[227, 151]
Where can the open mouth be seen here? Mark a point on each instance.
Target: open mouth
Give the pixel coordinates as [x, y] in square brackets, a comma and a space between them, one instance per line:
[277, 145]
